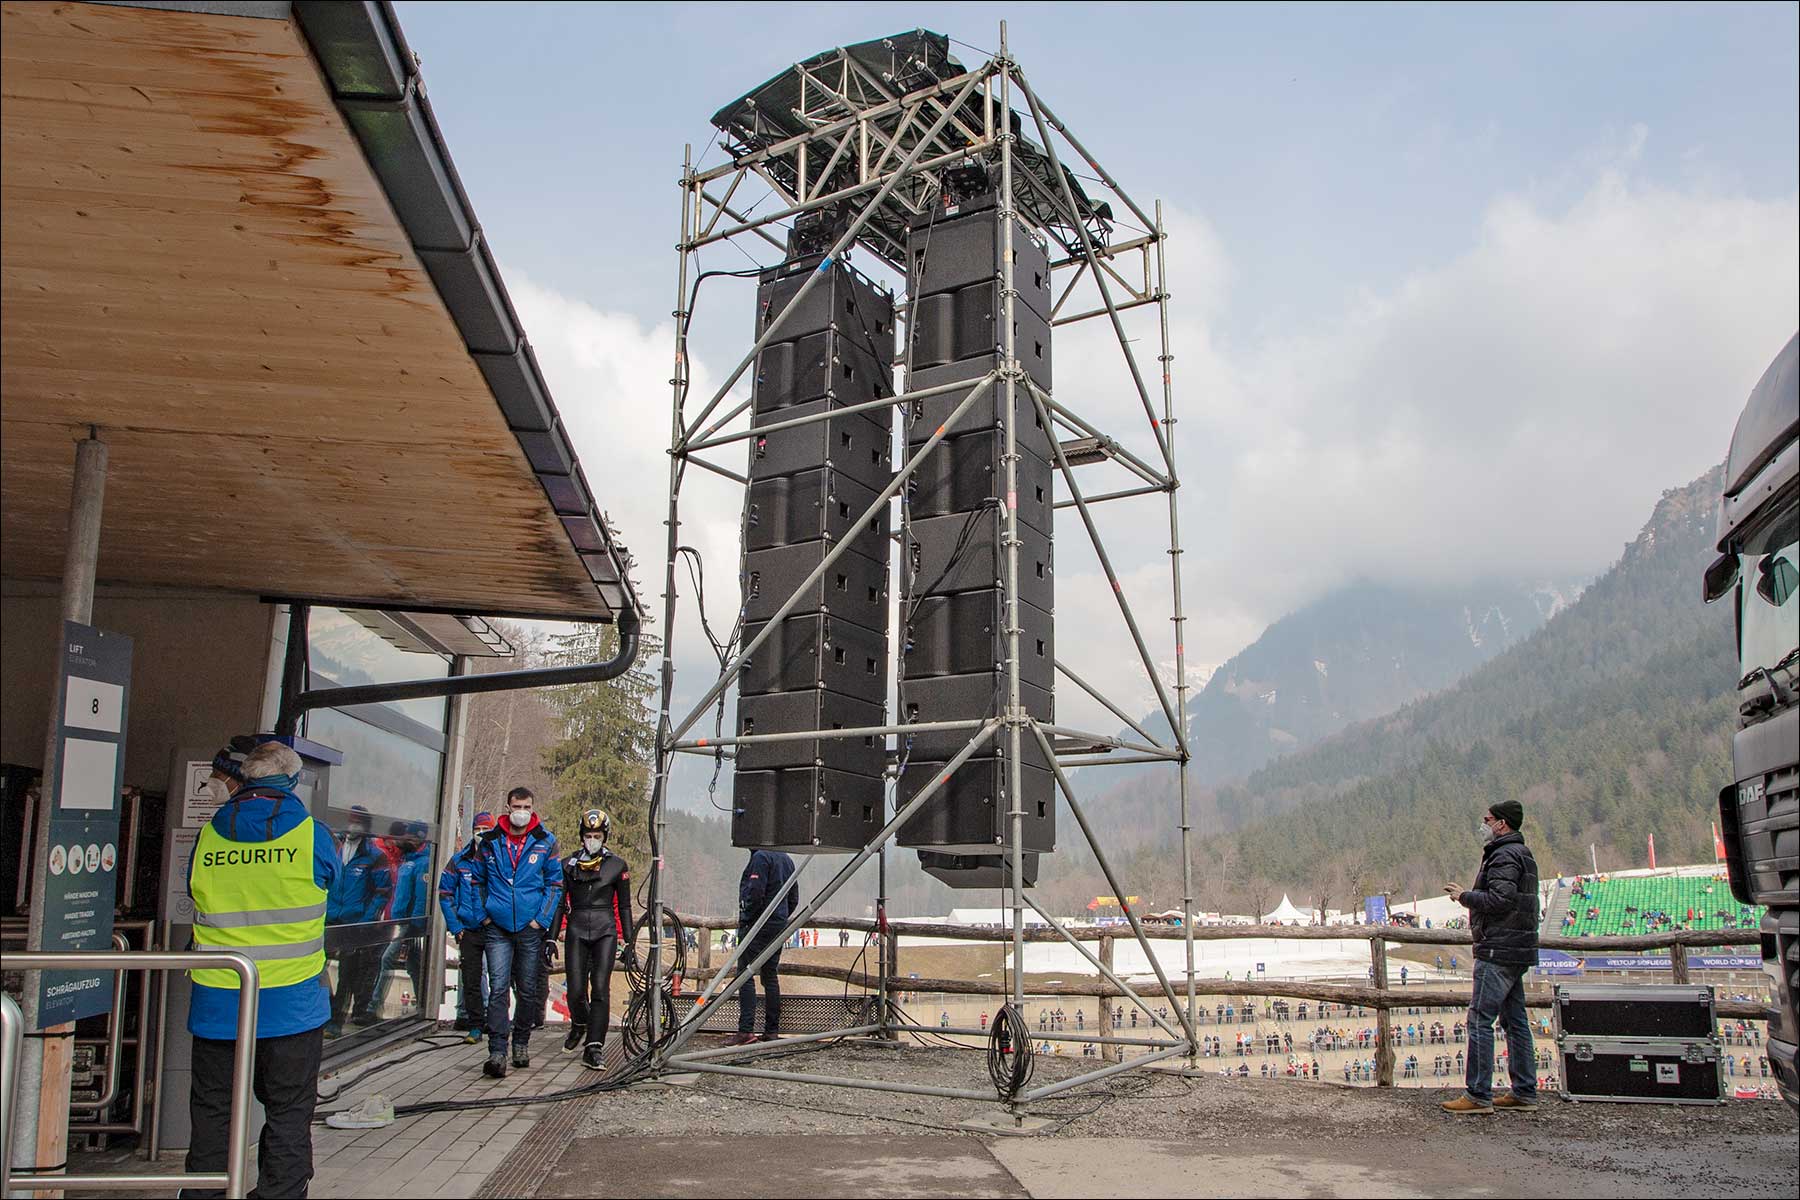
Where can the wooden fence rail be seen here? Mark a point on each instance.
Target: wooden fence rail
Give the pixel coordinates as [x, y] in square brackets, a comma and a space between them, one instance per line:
[1380, 997]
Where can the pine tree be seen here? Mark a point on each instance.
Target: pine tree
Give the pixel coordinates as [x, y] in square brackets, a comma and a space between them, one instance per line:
[608, 747]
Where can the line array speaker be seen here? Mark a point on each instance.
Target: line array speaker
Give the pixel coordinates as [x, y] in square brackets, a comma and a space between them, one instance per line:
[826, 665]
[953, 545]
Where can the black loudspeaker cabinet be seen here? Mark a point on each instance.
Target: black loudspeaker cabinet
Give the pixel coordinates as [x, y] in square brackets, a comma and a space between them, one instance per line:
[821, 505]
[924, 416]
[965, 698]
[844, 301]
[969, 814]
[853, 588]
[813, 652]
[819, 366]
[1642, 1070]
[1620, 1010]
[949, 252]
[963, 634]
[858, 446]
[956, 326]
[805, 810]
[963, 473]
[788, 712]
[977, 870]
[962, 552]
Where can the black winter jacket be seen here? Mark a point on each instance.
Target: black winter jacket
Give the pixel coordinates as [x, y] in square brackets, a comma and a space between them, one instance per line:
[1503, 904]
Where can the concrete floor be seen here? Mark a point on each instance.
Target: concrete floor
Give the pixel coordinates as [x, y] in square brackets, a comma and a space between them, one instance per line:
[1491, 1159]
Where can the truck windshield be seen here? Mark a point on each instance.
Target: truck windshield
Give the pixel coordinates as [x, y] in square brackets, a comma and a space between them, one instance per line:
[1768, 613]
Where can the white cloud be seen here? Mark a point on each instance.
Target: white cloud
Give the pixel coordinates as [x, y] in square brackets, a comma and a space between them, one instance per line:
[1514, 411]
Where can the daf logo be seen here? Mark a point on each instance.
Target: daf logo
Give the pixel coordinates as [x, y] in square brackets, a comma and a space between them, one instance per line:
[1750, 793]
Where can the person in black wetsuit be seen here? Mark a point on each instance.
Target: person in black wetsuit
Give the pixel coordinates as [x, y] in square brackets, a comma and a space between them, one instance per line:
[596, 918]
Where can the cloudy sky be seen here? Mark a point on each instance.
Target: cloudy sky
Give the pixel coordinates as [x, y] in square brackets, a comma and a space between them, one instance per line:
[1457, 292]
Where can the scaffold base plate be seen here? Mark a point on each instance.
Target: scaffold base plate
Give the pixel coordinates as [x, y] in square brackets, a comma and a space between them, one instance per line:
[1004, 1124]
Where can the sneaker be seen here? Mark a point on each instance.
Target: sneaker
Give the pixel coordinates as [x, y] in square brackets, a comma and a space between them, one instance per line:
[521, 1057]
[472, 1037]
[495, 1066]
[740, 1039]
[594, 1057]
[1514, 1102]
[1466, 1106]
[577, 1036]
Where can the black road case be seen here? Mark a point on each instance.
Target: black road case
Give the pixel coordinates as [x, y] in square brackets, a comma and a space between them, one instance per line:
[1642, 1070]
[1631, 1010]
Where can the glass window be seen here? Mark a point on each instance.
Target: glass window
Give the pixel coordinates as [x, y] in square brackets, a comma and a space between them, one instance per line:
[393, 777]
[1768, 614]
[345, 652]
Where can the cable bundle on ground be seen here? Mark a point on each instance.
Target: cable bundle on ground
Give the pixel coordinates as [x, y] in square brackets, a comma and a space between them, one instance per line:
[1011, 1058]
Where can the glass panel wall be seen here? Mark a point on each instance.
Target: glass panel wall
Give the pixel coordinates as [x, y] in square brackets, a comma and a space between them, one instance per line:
[382, 810]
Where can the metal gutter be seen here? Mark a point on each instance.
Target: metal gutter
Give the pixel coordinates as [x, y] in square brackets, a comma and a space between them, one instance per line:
[375, 81]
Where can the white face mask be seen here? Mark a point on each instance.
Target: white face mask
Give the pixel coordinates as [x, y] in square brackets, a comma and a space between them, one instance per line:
[1487, 832]
[593, 844]
[520, 817]
[218, 790]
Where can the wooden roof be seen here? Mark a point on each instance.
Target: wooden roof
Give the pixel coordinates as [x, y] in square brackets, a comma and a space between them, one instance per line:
[199, 262]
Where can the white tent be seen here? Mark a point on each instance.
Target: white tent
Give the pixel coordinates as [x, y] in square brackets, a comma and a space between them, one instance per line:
[1286, 914]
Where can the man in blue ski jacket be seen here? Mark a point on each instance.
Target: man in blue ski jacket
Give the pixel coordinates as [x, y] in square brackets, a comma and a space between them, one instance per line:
[463, 906]
[519, 871]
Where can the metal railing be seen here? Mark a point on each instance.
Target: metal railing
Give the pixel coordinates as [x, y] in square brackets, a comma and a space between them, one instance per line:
[243, 1061]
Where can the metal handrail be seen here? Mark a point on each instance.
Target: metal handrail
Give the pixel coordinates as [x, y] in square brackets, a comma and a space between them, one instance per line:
[243, 1060]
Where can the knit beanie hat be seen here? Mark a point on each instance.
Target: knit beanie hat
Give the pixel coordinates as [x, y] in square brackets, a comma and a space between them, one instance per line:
[1510, 811]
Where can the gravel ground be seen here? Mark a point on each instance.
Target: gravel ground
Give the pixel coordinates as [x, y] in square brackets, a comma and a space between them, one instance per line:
[1137, 1104]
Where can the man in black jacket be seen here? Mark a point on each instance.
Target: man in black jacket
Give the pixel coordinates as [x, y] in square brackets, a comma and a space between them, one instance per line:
[763, 876]
[1503, 915]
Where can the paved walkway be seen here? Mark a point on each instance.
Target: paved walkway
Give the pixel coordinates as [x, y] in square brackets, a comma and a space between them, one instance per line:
[448, 1154]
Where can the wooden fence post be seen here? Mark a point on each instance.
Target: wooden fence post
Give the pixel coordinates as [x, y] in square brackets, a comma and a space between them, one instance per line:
[706, 948]
[1678, 962]
[1110, 1053]
[1384, 1046]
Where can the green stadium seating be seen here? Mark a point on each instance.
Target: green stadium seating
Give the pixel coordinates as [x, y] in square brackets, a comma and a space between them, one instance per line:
[1624, 905]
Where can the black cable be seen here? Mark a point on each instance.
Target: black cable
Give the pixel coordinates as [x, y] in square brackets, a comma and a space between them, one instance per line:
[1011, 1057]
[429, 1044]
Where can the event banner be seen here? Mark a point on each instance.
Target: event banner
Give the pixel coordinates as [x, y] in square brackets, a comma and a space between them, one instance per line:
[1375, 910]
[1559, 962]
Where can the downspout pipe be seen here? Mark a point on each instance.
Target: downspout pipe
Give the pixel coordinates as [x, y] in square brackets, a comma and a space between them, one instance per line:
[630, 641]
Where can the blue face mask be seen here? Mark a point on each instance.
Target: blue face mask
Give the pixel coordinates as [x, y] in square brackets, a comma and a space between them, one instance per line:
[286, 783]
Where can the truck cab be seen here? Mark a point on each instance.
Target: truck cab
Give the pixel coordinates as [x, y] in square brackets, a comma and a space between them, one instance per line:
[1759, 568]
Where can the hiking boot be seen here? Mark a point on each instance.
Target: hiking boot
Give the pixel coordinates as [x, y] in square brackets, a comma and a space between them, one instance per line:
[577, 1035]
[1515, 1103]
[521, 1057]
[594, 1057]
[1466, 1106]
[473, 1037]
[495, 1066]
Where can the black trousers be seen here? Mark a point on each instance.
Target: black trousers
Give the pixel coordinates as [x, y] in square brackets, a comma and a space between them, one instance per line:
[471, 969]
[358, 971]
[286, 1081]
[771, 981]
[589, 963]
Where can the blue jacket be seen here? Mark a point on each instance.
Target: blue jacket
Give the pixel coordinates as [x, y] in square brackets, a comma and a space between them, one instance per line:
[763, 876]
[411, 888]
[364, 888]
[459, 896]
[522, 891]
[263, 816]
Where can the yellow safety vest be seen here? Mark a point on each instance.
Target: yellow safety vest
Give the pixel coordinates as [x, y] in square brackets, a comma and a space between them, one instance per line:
[261, 900]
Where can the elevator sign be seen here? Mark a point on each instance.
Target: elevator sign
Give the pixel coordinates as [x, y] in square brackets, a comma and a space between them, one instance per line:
[81, 883]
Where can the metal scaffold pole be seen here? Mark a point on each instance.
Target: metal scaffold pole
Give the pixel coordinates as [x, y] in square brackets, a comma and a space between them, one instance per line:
[665, 756]
[1179, 620]
[1015, 708]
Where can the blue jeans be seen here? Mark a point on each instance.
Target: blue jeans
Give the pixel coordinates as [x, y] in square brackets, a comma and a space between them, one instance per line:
[1500, 994]
[514, 963]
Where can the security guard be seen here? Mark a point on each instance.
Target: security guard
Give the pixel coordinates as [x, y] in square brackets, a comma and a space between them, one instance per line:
[260, 874]
[596, 912]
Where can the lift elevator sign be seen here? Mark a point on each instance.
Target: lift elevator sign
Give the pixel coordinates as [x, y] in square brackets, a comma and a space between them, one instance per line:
[91, 703]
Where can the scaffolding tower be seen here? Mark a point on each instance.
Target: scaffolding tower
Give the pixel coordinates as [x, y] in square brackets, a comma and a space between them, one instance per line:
[842, 133]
